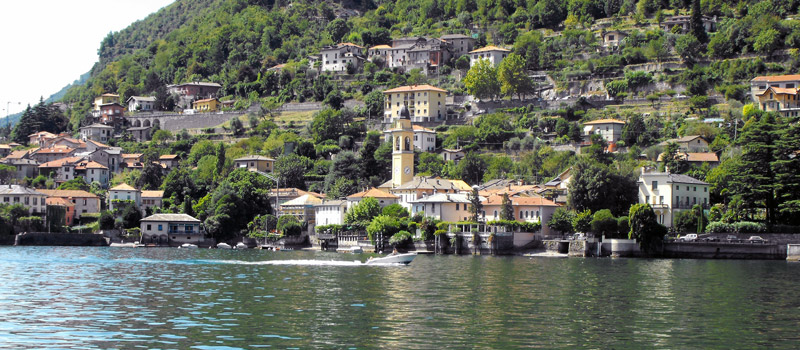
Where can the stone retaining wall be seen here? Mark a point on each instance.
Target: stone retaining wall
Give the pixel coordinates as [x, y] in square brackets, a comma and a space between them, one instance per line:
[61, 239]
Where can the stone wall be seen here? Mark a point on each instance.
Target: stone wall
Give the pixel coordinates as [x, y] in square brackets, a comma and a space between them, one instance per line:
[721, 250]
[61, 239]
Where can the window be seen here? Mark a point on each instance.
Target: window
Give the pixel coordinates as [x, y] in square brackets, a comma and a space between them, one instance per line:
[35, 201]
[705, 189]
[654, 185]
[148, 227]
[677, 200]
[456, 206]
[661, 200]
[495, 213]
[694, 188]
[647, 199]
[160, 227]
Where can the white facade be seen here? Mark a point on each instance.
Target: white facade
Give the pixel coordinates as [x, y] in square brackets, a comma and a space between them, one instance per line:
[336, 58]
[493, 54]
[141, 103]
[443, 206]
[609, 129]
[33, 200]
[330, 212]
[670, 193]
[97, 132]
[124, 192]
[171, 228]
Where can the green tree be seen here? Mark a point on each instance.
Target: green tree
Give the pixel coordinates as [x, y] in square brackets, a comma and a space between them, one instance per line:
[161, 136]
[106, 220]
[475, 205]
[327, 124]
[513, 77]
[604, 224]
[471, 168]
[506, 209]
[7, 173]
[561, 220]
[77, 183]
[616, 88]
[481, 80]
[645, 228]
[595, 186]
[291, 170]
[395, 210]
[237, 127]
[335, 100]
[374, 102]
[693, 220]
[289, 226]
[382, 225]
[220, 169]
[430, 164]
[363, 212]
[582, 222]
[673, 160]
[696, 22]
[755, 180]
[689, 48]
[787, 166]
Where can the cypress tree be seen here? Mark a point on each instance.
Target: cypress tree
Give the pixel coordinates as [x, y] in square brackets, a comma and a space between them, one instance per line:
[755, 180]
[696, 23]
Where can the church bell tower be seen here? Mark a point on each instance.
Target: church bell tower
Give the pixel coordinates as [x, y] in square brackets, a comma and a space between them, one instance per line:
[402, 148]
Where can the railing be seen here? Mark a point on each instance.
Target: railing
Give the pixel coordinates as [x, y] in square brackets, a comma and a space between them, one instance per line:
[183, 232]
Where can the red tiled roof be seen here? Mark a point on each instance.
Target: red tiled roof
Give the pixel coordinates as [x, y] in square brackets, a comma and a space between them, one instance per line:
[410, 88]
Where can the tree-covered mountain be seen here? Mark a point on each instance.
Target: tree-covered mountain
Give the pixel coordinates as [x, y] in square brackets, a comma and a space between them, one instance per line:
[234, 42]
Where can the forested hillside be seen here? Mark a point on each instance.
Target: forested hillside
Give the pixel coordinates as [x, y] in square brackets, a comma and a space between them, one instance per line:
[234, 42]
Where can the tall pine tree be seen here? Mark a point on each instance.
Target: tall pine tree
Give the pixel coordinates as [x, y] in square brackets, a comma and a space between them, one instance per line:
[754, 181]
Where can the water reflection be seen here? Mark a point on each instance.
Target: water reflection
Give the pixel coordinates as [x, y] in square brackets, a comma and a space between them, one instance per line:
[97, 298]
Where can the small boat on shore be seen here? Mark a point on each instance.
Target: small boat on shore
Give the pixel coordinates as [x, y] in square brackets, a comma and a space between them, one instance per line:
[224, 246]
[404, 259]
[240, 245]
[188, 246]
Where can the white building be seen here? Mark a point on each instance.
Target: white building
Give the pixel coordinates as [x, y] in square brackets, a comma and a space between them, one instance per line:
[693, 143]
[337, 57]
[493, 54]
[670, 193]
[97, 132]
[28, 197]
[330, 212]
[609, 129]
[152, 199]
[443, 206]
[141, 103]
[424, 138]
[171, 228]
[124, 192]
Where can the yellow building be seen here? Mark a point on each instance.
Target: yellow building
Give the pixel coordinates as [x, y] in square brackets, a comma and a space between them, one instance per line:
[105, 99]
[207, 105]
[782, 100]
[255, 163]
[402, 148]
[425, 103]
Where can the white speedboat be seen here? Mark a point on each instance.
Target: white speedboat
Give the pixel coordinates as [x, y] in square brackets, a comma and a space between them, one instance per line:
[224, 245]
[188, 245]
[404, 259]
[241, 245]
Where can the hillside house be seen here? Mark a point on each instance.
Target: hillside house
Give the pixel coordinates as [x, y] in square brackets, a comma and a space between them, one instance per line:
[443, 206]
[152, 199]
[337, 57]
[24, 167]
[44, 155]
[330, 212]
[124, 192]
[195, 90]
[683, 22]
[459, 44]
[141, 104]
[526, 209]
[110, 113]
[97, 132]
[691, 143]
[104, 99]
[452, 154]
[169, 161]
[425, 103]
[140, 133]
[613, 38]
[69, 209]
[206, 105]
[384, 198]
[493, 54]
[609, 129]
[40, 138]
[255, 163]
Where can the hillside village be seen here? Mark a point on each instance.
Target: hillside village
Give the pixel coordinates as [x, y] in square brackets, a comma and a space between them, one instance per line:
[596, 127]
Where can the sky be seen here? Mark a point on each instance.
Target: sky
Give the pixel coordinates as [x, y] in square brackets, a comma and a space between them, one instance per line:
[47, 44]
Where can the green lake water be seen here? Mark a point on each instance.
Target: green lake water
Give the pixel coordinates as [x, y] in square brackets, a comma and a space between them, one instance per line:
[162, 298]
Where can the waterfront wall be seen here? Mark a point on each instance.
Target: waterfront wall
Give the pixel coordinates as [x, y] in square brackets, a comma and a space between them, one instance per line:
[793, 252]
[721, 250]
[61, 239]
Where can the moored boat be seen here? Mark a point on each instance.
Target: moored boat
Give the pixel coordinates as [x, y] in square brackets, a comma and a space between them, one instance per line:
[188, 245]
[241, 245]
[224, 246]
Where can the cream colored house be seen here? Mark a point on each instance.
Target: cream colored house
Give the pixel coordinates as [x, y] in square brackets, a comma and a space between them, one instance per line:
[671, 193]
[255, 163]
[32, 199]
[526, 209]
[493, 54]
[152, 199]
[124, 192]
[425, 103]
[330, 212]
[443, 206]
[609, 129]
[84, 202]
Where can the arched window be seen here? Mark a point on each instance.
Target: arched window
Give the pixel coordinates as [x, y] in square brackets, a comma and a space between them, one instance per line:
[397, 144]
[408, 144]
[495, 214]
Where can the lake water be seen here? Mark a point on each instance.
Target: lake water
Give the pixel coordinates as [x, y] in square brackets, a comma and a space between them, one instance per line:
[161, 298]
